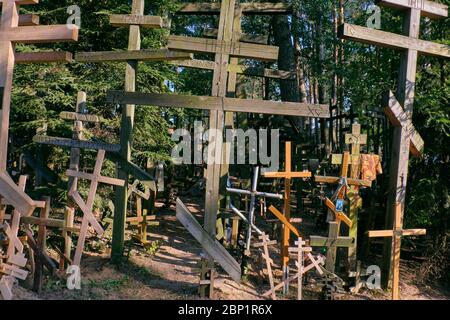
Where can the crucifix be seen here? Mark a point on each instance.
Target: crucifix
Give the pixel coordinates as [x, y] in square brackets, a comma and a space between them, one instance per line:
[396, 234]
[287, 175]
[410, 45]
[223, 48]
[335, 206]
[87, 207]
[10, 34]
[355, 139]
[253, 193]
[132, 56]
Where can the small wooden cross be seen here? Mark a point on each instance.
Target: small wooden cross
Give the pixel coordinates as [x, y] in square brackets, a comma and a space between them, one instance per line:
[269, 262]
[397, 233]
[86, 207]
[287, 175]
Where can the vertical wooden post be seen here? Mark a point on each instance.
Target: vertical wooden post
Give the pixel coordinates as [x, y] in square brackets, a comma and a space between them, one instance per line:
[401, 139]
[69, 215]
[333, 234]
[126, 132]
[300, 243]
[42, 245]
[287, 215]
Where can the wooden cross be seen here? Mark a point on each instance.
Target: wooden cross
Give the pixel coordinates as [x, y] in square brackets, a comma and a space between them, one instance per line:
[134, 21]
[253, 193]
[269, 262]
[316, 263]
[332, 243]
[355, 139]
[396, 234]
[142, 219]
[410, 45]
[10, 34]
[86, 207]
[287, 175]
[223, 48]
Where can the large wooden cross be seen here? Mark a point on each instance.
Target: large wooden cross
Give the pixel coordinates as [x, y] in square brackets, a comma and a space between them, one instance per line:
[131, 56]
[10, 34]
[411, 46]
[287, 175]
[86, 207]
[223, 48]
[396, 234]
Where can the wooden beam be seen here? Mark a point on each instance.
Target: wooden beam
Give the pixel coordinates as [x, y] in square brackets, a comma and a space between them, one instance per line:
[316, 241]
[243, 37]
[28, 20]
[209, 244]
[89, 176]
[43, 57]
[355, 182]
[337, 159]
[75, 116]
[237, 49]
[220, 104]
[392, 40]
[15, 196]
[428, 9]
[81, 144]
[283, 219]
[261, 8]
[290, 175]
[39, 34]
[138, 55]
[398, 118]
[125, 20]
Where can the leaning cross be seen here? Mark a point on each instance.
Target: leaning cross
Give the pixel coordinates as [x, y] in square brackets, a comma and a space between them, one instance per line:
[411, 46]
[86, 207]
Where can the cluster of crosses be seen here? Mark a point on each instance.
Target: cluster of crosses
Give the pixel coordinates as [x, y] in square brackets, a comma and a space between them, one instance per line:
[228, 44]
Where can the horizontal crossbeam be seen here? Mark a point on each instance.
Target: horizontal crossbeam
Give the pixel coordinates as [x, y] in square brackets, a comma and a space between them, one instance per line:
[350, 181]
[342, 242]
[392, 40]
[39, 34]
[258, 8]
[28, 20]
[139, 55]
[81, 144]
[390, 233]
[236, 49]
[75, 116]
[43, 57]
[124, 20]
[101, 179]
[428, 9]
[287, 175]
[220, 104]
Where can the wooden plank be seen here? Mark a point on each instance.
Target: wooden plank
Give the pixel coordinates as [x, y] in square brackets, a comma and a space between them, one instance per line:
[220, 103]
[337, 159]
[81, 144]
[414, 232]
[15, 196]
[211, 246]
[340, 216]
[317, 241]
[281, 217]
[398, 117]
[335, 180]
[89, 176]
[75, 116]
[208, 8]
[43, 57]
[392, 40]
[138, 55]
[238, 49]
[39, 34]
[125, 20]
[249, 38]
[279, 175]
[6, 284]
[428, 9]
[380, 233]
[28, 20]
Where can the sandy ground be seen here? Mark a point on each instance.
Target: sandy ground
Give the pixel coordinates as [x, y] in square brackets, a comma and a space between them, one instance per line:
[169, 272]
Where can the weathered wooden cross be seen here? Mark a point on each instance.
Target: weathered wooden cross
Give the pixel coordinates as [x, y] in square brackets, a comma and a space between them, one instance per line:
[287, 175]
[86, 207]
[132, 56]
[223, 48]
[396, 234]
[411, 46]
[337, 208]
[10, 34]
